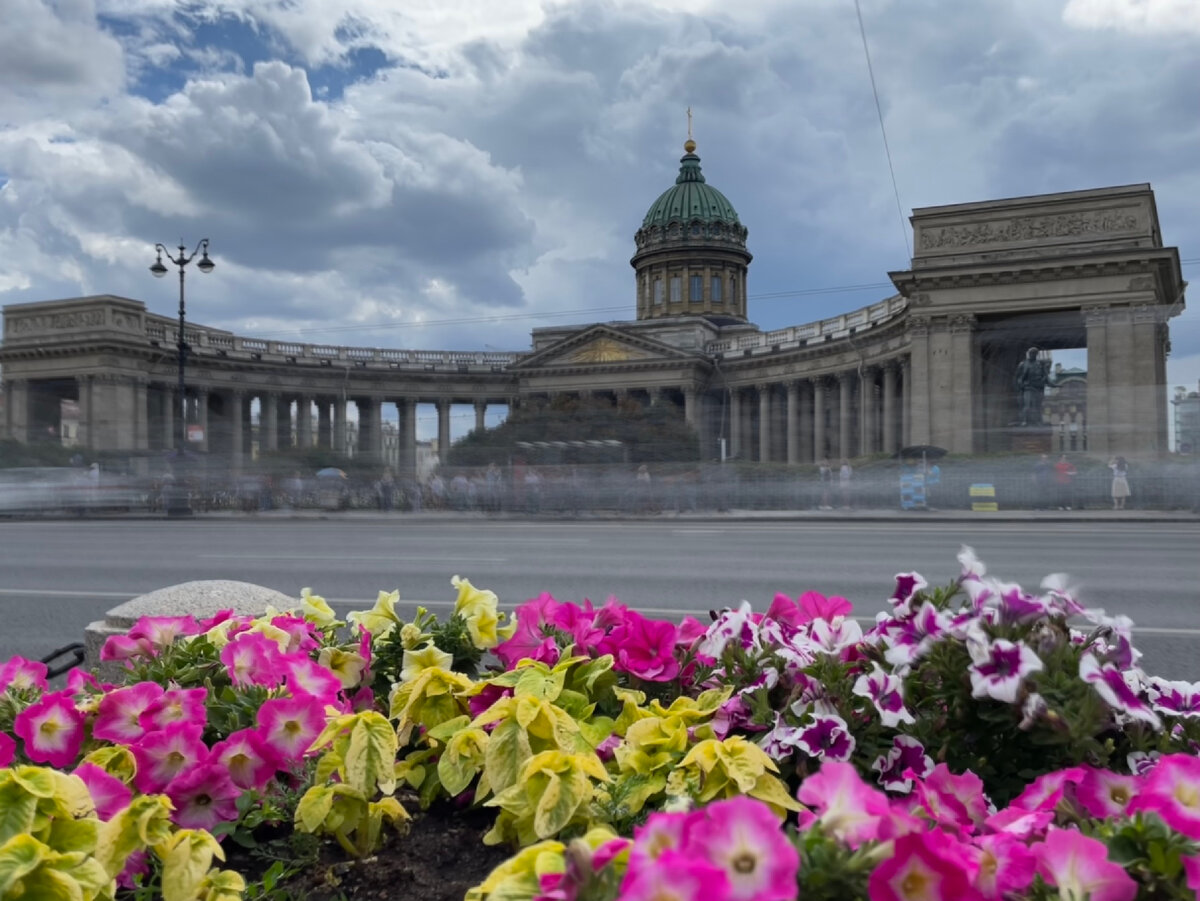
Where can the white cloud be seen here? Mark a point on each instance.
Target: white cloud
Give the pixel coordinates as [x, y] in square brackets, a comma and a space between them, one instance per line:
[1137, 16]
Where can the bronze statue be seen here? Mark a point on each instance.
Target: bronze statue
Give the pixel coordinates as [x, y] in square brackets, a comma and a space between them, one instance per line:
[1032, 377]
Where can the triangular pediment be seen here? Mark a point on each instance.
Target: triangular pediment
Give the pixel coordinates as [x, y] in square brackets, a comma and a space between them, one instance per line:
[602, 345]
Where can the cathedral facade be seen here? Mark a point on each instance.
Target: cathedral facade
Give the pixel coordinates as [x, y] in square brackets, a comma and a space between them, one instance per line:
[931, 364]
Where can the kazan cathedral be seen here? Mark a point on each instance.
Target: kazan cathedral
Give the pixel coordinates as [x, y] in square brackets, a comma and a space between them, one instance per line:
[933, 364]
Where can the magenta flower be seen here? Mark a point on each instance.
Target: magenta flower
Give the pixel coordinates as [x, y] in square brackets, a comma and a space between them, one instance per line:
[906, 759]
[580, 623]
[203, 797]
[1110, 684]
[253, 659]
[1020, 823]
[299, 632]
[1079, 867]
[307, 676]
[22, 675]
[999, 667]
[646, 648]
[1104, 794]
[162, 756]
[78, 680]
[532, 637]
[827, 737]
[122, 647]
[161, 631]
[52, 730]
[109, 794]
[848, 808]
[118, 716]
[8, 749]
[954, 801]
[1172, 790]
[1191, 870]
[675, 877]
[744, 838]
[1044, 792]
[1006, 866]
[289, 725]
[690, 631]
[178, 706]
[661, 832]
[924, 867]
[886, 692]
[250, 761]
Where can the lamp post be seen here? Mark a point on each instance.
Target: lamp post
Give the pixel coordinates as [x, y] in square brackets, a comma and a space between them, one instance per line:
[205, 265]
[178, 504]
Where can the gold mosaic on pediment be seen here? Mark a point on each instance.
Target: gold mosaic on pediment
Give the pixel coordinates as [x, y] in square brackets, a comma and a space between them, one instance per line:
[605, 350]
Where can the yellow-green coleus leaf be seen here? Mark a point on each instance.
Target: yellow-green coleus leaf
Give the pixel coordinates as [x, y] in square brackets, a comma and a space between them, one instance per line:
[734, 766]
[17, 809]
[462, 759]
[370, 756]
[653, 743]
[552, 788]
[429, 699]
[19, 856]
[145, 823]
[518, 878]
[186, 857]
[693, 710]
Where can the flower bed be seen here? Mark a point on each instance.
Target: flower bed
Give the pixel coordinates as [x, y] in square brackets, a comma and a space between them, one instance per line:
[976, 741]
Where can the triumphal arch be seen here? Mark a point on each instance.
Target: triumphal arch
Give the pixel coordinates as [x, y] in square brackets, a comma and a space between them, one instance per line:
[932, 364]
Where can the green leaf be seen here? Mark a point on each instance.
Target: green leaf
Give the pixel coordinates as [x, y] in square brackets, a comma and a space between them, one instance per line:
[17, 808]
[74, 835]
[313, 808]
[188, 858]
[371, 755]
[19, 857]
[507, 750]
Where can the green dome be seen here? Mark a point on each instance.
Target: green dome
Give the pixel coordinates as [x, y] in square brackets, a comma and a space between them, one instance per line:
[690, 199]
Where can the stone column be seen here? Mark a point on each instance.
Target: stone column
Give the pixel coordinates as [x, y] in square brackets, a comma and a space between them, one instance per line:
[905, 379]
[304, 430]
[443, 415]
[480, 415]
[339, 425]
[237, 441]
[141, 413]
[917, 385]
[845, 450]
[1095, 319]
[868, 408]
[170, 409]
[735, 422]
[84, 387]
[1149, 390]
[691, 410]
[964, 384]
[804, 426]
[889, 408]
[407, 410]
[371, 409]
[820, 452]
[285, 422]
[764, 423]
[268, 421]
[793, 423]
[324, 424]
[16, 407]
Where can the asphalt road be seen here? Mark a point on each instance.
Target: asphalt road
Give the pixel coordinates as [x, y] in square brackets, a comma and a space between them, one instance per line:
[59, 575]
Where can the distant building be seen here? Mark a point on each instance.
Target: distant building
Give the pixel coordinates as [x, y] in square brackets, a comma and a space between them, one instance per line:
[1066, 409]
[1187, 420]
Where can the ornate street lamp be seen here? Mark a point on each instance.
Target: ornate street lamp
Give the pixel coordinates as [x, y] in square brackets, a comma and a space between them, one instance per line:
[204, 265]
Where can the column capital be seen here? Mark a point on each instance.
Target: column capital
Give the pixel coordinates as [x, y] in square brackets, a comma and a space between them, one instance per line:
[1096, 314]
[962, 323]
[918, 326]
[763, 387]
[845, 376]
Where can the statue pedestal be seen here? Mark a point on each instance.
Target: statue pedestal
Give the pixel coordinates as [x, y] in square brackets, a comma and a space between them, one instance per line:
[1030, 439]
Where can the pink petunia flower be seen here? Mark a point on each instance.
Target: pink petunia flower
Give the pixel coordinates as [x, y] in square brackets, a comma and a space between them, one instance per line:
[886, 692]
[178, 706]
[161, 631]
[203, 797]
[1079, 867]
[660, 833]
[1105, 794]
[896, 768]
[307, 676]
[1191, 870]
[743, 837]
[52, 730]
[1020, 823]
[163, 755]
[253, 659]
[109, 794]
[646, 648]
[1044, 792]
[250, 761]
[1172, 790]
[78, 680]
[118, 715]
[1110, 684]
[289, 725]
[847, 807]
[998, 668]
[21, 674]
[531, 638]
[954, 801]
[924, 867]
[676, 877]
[124, 648]
[8, 749]
[299, 632]
[1006, 866]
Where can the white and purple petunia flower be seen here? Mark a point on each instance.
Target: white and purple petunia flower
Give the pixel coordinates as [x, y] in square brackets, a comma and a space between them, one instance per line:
[886, 692]
[897, 767]
[1111, 685]
[827, 737]
[907, 586]
[735, 626]
[910, 639]
[1180, 699]
[999, 667]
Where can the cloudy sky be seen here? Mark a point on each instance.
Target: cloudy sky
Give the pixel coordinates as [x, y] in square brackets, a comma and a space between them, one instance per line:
[451, 173]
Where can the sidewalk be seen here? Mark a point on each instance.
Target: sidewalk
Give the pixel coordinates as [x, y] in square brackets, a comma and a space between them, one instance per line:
[829, 516]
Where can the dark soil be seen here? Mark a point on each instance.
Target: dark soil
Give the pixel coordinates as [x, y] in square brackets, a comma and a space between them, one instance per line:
[441, 857]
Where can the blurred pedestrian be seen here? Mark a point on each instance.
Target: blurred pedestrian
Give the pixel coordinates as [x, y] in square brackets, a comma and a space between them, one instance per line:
[845, 474]
[1064, 478]
[825, 475]
[387, 490]
[1120, 482]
